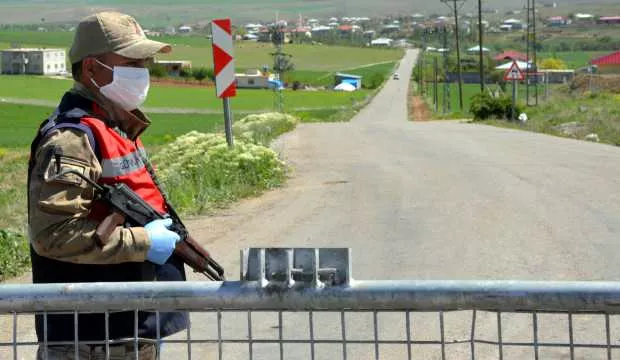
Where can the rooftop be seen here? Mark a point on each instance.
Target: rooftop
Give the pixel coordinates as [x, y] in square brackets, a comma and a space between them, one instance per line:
[609, 59]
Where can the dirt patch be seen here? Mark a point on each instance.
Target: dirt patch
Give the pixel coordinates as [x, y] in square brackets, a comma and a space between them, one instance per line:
[419, 109]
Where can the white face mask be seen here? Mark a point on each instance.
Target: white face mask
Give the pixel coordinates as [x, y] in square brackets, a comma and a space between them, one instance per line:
[129, 86]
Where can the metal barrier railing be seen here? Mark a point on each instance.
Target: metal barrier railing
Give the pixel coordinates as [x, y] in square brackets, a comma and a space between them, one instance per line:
[303, 304]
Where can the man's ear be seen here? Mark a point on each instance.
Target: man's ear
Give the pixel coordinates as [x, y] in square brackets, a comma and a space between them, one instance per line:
[88, 67]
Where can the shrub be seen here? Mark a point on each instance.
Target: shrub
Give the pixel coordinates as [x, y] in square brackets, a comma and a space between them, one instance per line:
[484, 107]
[14, 254]
[185, 73]
[552, 63]
[203, 73]
[201, 172]
[263, 128]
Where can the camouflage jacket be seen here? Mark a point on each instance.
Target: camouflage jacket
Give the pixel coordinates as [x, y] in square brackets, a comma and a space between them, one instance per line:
[58, 223]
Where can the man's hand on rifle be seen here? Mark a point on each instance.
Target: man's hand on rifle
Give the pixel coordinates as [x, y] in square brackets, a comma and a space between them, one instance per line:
[163, 241]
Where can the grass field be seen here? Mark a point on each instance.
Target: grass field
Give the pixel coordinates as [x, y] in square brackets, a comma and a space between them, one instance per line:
[248, 54]
[20, 124]
[34, 87]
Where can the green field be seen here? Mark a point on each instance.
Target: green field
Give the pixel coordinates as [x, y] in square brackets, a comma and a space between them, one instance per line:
[248, 54]
[32, 87]
[20, 123]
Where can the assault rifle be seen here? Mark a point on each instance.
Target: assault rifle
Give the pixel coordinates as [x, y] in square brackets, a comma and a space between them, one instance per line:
[129, 208]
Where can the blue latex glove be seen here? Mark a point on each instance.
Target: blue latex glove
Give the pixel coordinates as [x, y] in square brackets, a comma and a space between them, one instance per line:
[163, 241]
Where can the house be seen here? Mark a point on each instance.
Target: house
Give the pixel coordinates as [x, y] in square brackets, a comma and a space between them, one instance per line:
[354, 80]
[174, 67]
[558, 21]
[345, 30]
[253, 28]
[522, 65]
[401, 43]
[476, 50]
[512, 24]
[418, 17]
[34, 61]
[609, 20]
[550, 4]
[151, 33]
[391, 28]
[581, 18]
[560, 76]
[382, 42]
[185, 29]
[253, 79]
[370, 34]
[250, 37]
[608, 64]
[510, 55]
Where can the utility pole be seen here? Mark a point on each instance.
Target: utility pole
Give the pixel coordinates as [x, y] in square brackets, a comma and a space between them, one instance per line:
[446, 83]
[480, 45]
[531, 52]
[455, 7]
[535, 50]
[527, 54]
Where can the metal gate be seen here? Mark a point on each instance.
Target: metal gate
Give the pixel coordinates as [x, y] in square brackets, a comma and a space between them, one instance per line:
[303, 304]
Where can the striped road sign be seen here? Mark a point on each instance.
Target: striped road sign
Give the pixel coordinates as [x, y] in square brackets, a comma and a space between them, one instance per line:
[223, 60]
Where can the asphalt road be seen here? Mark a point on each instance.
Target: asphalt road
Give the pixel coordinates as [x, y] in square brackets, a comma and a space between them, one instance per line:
[438, 200]
[427, 200]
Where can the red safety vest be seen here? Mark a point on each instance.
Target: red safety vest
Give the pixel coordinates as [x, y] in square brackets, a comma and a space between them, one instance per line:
[122, 161]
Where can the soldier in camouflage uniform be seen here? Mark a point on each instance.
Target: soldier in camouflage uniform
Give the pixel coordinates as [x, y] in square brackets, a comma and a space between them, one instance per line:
[95, 131]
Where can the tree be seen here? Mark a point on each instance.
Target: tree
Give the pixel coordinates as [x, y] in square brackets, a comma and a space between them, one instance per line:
[552, 64]
[276, 33]
[200, 74]
[282, 62]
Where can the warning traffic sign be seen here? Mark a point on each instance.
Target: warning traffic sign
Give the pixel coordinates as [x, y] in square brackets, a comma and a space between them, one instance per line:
[223, 60]
[514, 73]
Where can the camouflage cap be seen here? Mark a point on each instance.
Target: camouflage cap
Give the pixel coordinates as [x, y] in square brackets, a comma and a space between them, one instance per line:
[121, 34]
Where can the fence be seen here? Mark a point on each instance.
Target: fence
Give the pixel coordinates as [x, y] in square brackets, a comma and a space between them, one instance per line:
[303, 304]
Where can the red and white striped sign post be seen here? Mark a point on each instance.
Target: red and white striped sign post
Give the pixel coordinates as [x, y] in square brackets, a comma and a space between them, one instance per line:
[224, 67]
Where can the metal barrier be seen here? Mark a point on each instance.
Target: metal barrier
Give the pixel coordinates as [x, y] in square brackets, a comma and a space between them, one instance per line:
[303, 304]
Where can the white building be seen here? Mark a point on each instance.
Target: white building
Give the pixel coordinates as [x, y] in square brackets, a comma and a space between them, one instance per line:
[253, 79]
[382, 42]
[34, 61]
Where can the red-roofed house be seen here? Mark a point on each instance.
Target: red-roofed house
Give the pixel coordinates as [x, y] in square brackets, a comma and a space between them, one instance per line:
[556, 21]
[608, 63]
[511, 55]
[609, 20]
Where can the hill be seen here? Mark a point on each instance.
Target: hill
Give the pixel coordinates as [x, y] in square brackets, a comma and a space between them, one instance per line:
[159, 12]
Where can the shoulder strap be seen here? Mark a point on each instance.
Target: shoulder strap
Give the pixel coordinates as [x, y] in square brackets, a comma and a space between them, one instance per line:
[70, 120]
